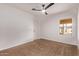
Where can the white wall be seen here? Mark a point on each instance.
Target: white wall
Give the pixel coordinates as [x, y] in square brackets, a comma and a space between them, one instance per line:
[37, 25]
[78, 27]
[16, 27]
[50, 27]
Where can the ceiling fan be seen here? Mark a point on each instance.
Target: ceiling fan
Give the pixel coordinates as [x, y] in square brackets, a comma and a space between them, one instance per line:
[43, 8]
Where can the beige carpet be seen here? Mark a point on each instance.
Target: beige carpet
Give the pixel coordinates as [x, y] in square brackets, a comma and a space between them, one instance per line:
[41, 47]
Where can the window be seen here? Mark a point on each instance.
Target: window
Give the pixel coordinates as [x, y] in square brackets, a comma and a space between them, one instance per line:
[65, 26]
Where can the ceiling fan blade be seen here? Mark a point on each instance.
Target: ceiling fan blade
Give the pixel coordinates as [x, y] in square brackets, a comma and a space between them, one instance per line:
[46, 13]
[49, 5]
[35, 9]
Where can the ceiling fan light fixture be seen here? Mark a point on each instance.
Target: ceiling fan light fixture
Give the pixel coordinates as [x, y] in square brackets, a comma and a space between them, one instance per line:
[43, 11]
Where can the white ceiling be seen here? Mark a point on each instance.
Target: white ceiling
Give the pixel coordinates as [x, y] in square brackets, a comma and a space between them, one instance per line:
[56, 8]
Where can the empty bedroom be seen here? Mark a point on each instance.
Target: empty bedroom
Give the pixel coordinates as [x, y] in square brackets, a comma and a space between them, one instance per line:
[39, 29]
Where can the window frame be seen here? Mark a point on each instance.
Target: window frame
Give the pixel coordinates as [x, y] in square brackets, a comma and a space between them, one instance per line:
[64, 28]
